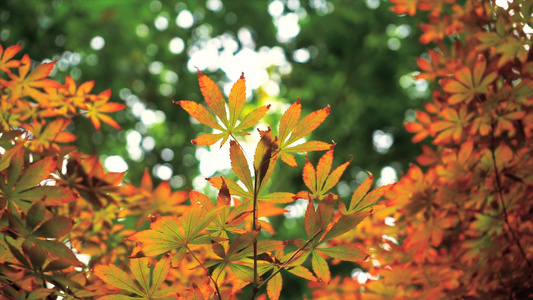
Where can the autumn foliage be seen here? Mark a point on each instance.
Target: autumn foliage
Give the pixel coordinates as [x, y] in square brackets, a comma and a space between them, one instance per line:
[459, 223]
[58, 205]
[464, 213]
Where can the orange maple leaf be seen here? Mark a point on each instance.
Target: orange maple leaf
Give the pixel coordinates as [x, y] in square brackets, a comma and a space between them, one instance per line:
[98, 106]
[28, 83]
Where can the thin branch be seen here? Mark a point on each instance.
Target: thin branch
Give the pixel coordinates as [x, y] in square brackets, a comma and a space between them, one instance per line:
[500, 193]
[206, 271]
[290, 259]
[255, 285]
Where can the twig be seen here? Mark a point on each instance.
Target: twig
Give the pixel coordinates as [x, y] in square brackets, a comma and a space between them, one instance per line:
[206, 271]
[290, 259]
[500, 193]
[254, 214]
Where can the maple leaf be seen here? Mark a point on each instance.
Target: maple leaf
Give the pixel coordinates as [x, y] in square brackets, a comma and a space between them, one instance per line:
[67, 100]
[5, 58]
[230, 216]
[264, 164]
[362, 199]
[216, 103]
[86, 175]
[439, 28]
[292, 129]
[511, 49]
[46, 136]
[468, 84]
[236, 190]
[268, 206]
[38, 239]
[404, 6]
[237, 256]
[10, 115]
[150, 282]
[5, 158]
[421, 128]
[154, 201]
[321, 228]
[21, 185]
[290, 262]
[98, 106]
[28, 84]
[431, 67]
[321, 180]
[453, 126]
[172, 233]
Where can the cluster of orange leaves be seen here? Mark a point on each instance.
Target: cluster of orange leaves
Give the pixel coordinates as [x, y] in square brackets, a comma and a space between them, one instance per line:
[464, 215]
[58, 205]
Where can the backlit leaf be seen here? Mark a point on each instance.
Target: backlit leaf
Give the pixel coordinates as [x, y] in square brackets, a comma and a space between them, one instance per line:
[345, 224]
[345, 252]
[289, 120]
[274, 287]
[213, 97]
[252, 118]
[236, 100]
[200, 113]
[140, 268]
[308, 124]
[239, 165]
[114, 276]
[320, 266]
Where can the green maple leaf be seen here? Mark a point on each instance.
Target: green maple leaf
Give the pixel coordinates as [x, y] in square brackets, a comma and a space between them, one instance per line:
[21, 187]
[149, 282]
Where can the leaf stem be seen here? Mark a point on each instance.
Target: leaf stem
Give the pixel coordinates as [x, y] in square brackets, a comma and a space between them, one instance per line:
[290, 259]
[206, 271]
[254, 228]
[500, 193]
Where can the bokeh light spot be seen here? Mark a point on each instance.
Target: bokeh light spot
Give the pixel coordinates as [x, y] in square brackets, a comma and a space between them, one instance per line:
[167, 154]
[288, 27]
[373, 4]
[176, 45]
[148, 143]
[388, 175]
[164, 172]
[214, 5]
[185, 19]
[382, 141]
[155, 67]
[394, 44]
[301, 56]
[275, 8]
[142, 30]
[97, 43]
[115, 163]
[161, 23]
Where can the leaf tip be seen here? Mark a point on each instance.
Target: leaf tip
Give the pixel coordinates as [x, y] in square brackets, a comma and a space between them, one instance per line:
[200, 74]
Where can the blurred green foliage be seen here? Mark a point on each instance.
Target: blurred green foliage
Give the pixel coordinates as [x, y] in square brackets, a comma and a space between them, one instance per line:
[356, 56]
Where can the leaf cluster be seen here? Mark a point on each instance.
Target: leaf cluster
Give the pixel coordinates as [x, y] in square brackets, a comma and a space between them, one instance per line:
[58, 205]
[462, 215]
